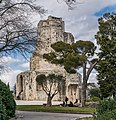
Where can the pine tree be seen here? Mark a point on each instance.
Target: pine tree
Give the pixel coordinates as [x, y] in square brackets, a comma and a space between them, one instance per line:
[106, 39]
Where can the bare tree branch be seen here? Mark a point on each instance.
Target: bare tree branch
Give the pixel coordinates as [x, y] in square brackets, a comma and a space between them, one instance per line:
[71, 3]
[17, 33]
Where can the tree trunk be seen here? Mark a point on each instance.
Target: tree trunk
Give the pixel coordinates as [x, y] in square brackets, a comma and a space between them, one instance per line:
[49, 101]
[114, 94]
[83, 95]
[84, 86]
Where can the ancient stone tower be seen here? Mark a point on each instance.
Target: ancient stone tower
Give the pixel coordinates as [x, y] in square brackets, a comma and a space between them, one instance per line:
[49, 32]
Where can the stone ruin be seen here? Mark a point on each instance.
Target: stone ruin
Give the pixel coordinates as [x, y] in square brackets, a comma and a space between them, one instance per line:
[49, 32]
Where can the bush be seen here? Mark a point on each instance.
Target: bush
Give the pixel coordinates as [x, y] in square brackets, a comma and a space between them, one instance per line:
[95, 92]
[93, 99]
[7, 103]
[106, 110]
[111, 115]
[3, 115]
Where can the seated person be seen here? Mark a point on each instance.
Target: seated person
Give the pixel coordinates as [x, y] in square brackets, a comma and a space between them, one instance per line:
[70, 104]
[63, 104]
[76, 101]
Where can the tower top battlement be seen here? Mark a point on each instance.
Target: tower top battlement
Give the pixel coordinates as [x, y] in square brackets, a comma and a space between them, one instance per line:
[50, 31]
[54, 18]
[51, 22]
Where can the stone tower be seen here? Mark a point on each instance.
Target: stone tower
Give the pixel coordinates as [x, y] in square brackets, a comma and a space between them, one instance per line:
[49, 32]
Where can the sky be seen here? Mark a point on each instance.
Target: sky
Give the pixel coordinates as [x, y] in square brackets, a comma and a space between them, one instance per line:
[82, 22]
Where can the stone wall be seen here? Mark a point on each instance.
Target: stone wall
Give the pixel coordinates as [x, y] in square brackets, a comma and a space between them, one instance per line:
[49, 32]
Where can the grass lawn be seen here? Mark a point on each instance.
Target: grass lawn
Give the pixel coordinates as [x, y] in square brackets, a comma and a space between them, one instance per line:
[89, 118]
[41, 108]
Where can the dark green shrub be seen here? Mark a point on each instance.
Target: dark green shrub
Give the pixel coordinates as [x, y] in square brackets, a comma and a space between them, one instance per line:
[3, 115]
[95, 92]
[93, 99]
[106, 110]
[8, 104]
[111, 115]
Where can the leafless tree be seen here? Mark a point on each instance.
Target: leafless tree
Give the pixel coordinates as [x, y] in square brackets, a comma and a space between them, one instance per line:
[17, 33]
[71, 3]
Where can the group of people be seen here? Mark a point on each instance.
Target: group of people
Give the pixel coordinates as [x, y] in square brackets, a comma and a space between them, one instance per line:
[71, 104]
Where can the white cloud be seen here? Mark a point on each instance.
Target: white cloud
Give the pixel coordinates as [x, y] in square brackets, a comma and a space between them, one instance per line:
[8, 60]
[92, 78]
[81, 21]
[10, 77]
[25, 65]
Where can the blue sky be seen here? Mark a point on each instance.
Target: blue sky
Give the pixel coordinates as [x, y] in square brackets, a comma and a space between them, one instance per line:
[81, 22]
[110, 9]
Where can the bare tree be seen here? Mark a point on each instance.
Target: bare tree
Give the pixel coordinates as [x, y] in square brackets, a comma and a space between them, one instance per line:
[17, 33]
[2, 66]
[71, 3]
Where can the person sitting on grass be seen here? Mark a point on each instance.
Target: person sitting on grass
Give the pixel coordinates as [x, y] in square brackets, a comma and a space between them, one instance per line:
[76, 103]
[63, 104]
[66, 101]
[70, 104]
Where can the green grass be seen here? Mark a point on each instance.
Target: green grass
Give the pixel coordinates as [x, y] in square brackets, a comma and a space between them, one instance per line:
[88, 118]
[40, 108]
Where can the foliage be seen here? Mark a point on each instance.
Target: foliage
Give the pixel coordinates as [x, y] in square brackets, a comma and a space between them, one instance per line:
[7, 101]
[94, 92]
[106, 110]
[106, 39]
[57, 109]
[3, 115]
[93, 99]
[72, 57]
[111, 115]
[51, 84]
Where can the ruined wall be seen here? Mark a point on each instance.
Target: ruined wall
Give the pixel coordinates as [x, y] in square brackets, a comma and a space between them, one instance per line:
[49, 32]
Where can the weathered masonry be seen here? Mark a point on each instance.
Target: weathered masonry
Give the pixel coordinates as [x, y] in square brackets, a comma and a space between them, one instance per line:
[49, 32]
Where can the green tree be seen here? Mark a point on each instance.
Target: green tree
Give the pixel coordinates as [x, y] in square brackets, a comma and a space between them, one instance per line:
[94, 92]
[3, 115]
[74, 56]
[106, 39]
[7, 103]
[51, 84]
